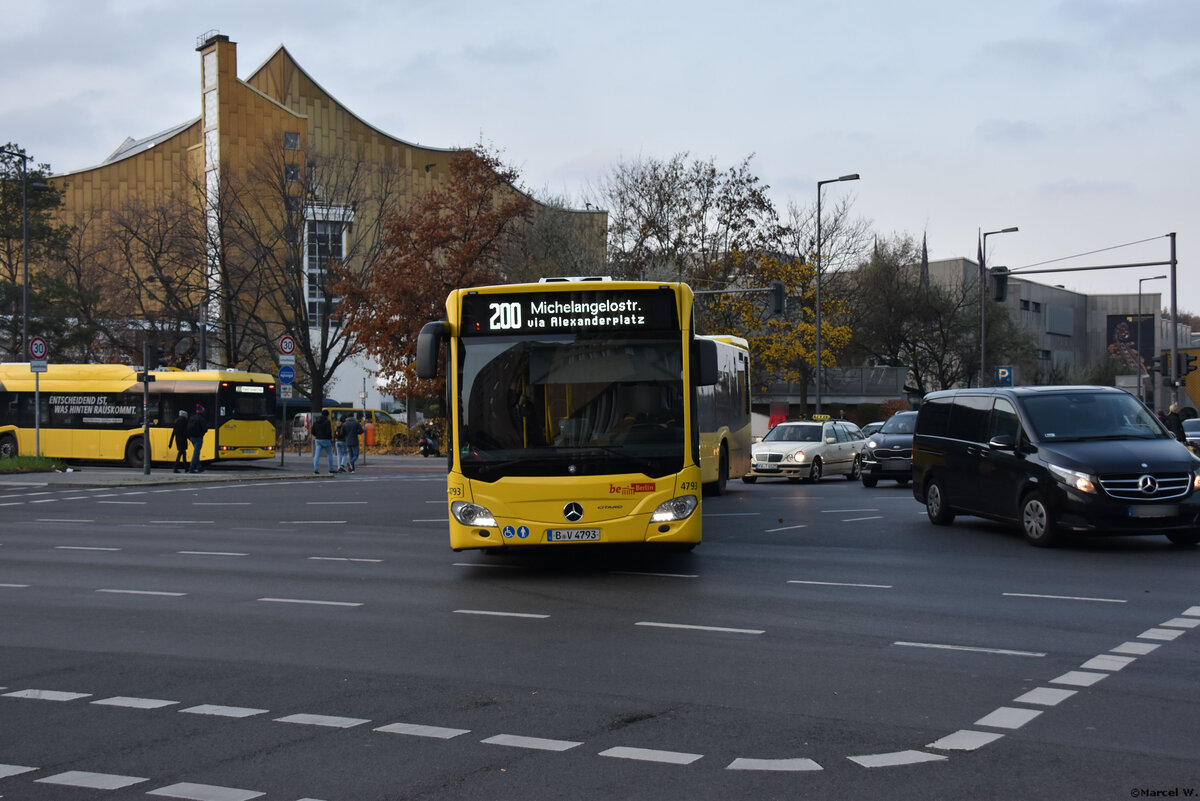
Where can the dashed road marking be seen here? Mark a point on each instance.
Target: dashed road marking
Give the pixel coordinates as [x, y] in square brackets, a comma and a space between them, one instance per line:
[651, 755]
[971, 648]
[415, 730]
[692, 627]
[792, 764]
[536, 743]
[896, 758]
[225, 711]
[205, 792]
[93, 781]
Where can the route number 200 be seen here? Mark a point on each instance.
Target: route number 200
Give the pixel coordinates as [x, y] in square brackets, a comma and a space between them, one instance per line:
[505, 316]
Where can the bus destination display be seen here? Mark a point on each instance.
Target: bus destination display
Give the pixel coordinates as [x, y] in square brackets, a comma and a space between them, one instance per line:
[569, 312]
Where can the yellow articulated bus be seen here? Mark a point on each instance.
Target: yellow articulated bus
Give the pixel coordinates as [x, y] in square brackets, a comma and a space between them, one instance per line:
[724, 413]
[572, 412]
[92, 412]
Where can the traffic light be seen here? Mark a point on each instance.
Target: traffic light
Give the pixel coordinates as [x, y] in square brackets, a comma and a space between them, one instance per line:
[778, 297]
[153, 356]
[1187, 363]
[999, 280]
[1162, 364]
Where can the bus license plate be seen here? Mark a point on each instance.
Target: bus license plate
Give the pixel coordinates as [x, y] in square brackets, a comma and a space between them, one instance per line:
[249, 451]
[572, 534]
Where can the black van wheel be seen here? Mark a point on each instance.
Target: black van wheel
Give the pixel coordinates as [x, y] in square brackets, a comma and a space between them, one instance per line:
[869, 481]
[1036, 524]
[935, 505]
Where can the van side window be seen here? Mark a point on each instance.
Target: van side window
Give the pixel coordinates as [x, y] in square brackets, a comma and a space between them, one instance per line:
[1004, 420]
[934, 417]
[969, 419]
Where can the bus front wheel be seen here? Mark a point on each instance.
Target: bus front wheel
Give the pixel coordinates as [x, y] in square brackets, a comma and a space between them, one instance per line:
[8, 446]
[135, 452]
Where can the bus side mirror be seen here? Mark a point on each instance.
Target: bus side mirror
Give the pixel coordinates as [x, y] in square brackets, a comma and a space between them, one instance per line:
[429, 346]
[704, 362]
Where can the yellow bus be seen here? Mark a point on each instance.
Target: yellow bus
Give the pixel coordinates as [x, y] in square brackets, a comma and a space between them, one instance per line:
[95, 412]
[572, 412]
[724, 413]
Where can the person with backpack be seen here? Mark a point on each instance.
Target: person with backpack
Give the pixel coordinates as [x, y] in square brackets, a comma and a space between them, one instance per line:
[322, 437]
[339, 442]
[179, 439]
[197, 427]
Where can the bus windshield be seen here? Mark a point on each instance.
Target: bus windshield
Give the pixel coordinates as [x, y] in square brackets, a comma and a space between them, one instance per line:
[567, 405]
[239, 401]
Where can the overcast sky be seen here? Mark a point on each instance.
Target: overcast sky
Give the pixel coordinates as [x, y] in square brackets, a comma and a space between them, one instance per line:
[1076, 121]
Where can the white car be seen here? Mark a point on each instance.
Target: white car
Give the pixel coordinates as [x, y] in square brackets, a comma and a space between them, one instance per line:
[807, 449]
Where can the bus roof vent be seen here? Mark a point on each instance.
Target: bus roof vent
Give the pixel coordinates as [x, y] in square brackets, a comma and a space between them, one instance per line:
[575, 278]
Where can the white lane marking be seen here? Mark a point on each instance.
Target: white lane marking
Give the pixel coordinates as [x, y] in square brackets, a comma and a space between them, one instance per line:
[127, 503]
[415, 730]
[786, 528]
[860, 519]
[998, 651]
[843, 511]
[225, 711]
[965, 740]
[1107, 662]
[336, 503]
[94, 781]
[654, 575]
[82, 548]
[220, 503]
[895, 758]
[1045, 696]
[1065, 597]
[311, 522]
[720, 629]
[145, 592]
[793, 764]
[46, 500]
[47, 695]
[431, 520]
[307, 601]
[1139, 648]
[135, 703]
[497, 614]
[1181, 622]
[13, 503]
[212, 553]
[1193, 611]
[841, 584]
[204, 792]
[331, 721]
[537, 743]
[181, 522]
[1165, 635]
[342, 559]
[15, 586]
[651, 755]
[14, 770]
[63, 520]
[1079, 678]
[1008, 717]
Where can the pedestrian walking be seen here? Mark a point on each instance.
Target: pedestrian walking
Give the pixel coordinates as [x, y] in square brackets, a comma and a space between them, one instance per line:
[197, 427]
[339, 442]
[1175, 423]
[322, 438]
[179, 439]
[353, 430]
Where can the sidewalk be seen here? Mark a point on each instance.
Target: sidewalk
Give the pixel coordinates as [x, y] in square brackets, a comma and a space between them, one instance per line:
[294, 467]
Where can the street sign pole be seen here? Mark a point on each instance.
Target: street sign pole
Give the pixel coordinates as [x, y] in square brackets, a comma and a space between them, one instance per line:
[287, 373]
[39, 353]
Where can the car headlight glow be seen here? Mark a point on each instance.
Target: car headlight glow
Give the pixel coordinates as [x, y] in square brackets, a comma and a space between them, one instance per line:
[796, 456]
[872, 444]
[675, 509]
[1073, 478]
[1195, 481]
[472, 514]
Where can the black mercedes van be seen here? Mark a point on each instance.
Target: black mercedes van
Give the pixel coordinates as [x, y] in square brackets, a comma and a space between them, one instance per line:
[1055, 460]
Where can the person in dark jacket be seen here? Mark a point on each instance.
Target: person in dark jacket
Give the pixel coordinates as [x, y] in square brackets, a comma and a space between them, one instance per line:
[179, 439]
[353, 430]
[322, 437]
[197, 427]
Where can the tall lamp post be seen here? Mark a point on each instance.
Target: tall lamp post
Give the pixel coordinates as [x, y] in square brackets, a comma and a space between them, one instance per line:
[1137, 341]
[983, 299]
[851, 177]
[24, 246]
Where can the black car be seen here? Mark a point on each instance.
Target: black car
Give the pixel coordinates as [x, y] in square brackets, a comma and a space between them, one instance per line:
[888, 452]
[1055, 460]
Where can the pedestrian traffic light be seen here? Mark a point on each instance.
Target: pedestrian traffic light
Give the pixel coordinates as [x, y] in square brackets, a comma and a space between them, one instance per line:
[778, 297]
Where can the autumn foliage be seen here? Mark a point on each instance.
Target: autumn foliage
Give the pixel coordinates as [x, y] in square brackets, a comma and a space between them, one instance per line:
[454, 236]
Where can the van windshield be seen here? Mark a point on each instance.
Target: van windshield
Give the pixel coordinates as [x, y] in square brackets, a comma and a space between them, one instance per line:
[1092, 415]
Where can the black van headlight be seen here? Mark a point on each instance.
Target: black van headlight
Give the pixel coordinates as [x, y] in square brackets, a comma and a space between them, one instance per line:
[1074, 479]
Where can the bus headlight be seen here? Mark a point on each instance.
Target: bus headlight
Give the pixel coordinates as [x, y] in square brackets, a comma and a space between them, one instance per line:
[472, 514]
[675, 509]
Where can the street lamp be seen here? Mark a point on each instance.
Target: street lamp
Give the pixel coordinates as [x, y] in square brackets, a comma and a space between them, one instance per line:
[983, 298]
[1137, 341]
[851, 177]
[20, 154]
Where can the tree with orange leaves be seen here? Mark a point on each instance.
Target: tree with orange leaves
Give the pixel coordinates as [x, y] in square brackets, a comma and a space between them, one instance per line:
[455, 236]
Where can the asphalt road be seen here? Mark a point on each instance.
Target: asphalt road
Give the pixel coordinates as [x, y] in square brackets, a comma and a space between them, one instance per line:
[293, 637]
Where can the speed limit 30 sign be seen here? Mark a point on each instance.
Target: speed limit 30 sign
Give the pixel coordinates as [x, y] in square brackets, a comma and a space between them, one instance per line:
[38, 349]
